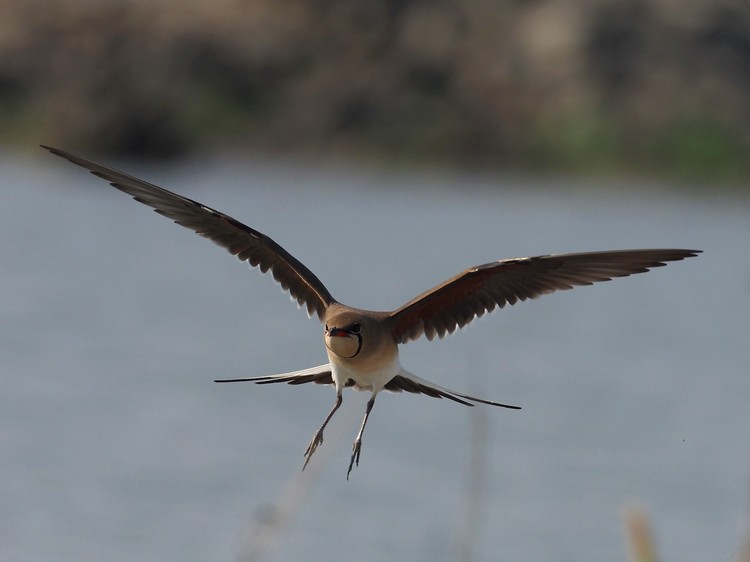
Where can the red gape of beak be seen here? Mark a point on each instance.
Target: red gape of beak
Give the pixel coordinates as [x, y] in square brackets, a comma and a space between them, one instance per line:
[337, 333]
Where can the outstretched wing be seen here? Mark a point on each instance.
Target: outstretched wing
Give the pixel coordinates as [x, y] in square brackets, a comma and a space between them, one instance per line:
[471, 293]
[241, 240]
[410, 382]
[319, 375]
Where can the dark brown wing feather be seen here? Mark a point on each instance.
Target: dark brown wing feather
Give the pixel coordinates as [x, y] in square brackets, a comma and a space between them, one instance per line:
[470, 294]
[241, 240]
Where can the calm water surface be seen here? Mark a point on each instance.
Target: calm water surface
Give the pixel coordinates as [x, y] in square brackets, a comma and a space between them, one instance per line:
[116, 445]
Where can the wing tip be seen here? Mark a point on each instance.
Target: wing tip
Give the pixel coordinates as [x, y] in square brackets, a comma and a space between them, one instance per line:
[55, 151]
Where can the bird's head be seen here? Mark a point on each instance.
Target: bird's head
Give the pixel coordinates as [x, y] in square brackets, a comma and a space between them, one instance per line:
[345, 335]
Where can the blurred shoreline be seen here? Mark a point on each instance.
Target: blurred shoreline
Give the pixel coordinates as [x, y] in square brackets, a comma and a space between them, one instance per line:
[658, 88]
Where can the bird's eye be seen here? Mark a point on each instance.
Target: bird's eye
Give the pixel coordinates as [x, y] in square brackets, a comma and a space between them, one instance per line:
[355, 329]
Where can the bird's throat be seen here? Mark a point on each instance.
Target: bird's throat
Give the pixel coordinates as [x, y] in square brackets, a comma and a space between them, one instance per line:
[346, 347]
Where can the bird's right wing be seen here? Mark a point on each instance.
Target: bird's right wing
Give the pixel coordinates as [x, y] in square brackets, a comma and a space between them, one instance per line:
[410, 382]
[242, 241]
[319, 375]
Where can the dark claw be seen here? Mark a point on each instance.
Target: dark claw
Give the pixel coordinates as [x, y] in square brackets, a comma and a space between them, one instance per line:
[356, 449]
[316, 440]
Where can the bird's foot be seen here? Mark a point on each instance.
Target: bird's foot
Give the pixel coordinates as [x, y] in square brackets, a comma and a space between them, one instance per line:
[316, 440]
[356, 449]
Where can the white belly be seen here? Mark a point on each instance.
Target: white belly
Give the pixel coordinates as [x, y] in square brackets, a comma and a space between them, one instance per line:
[370, 375]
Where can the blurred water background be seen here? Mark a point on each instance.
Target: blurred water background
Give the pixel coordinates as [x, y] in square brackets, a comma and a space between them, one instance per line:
[115, 444]
[387, 145]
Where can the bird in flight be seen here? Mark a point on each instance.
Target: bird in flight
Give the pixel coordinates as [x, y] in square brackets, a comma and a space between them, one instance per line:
[362, 345]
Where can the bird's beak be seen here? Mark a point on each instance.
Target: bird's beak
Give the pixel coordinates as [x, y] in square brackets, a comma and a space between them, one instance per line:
[337, 333]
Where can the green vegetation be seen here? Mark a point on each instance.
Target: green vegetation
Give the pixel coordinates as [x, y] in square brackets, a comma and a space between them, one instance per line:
[615, 90]
[693, 148]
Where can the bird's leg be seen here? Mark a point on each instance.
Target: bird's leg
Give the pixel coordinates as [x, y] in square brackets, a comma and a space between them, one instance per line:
[318, 437]
[357, 447]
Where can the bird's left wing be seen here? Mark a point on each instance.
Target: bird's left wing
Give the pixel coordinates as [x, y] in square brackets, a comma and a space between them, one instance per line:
[410, 382]
[319, 375]
[242, 241]
[481, 289]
